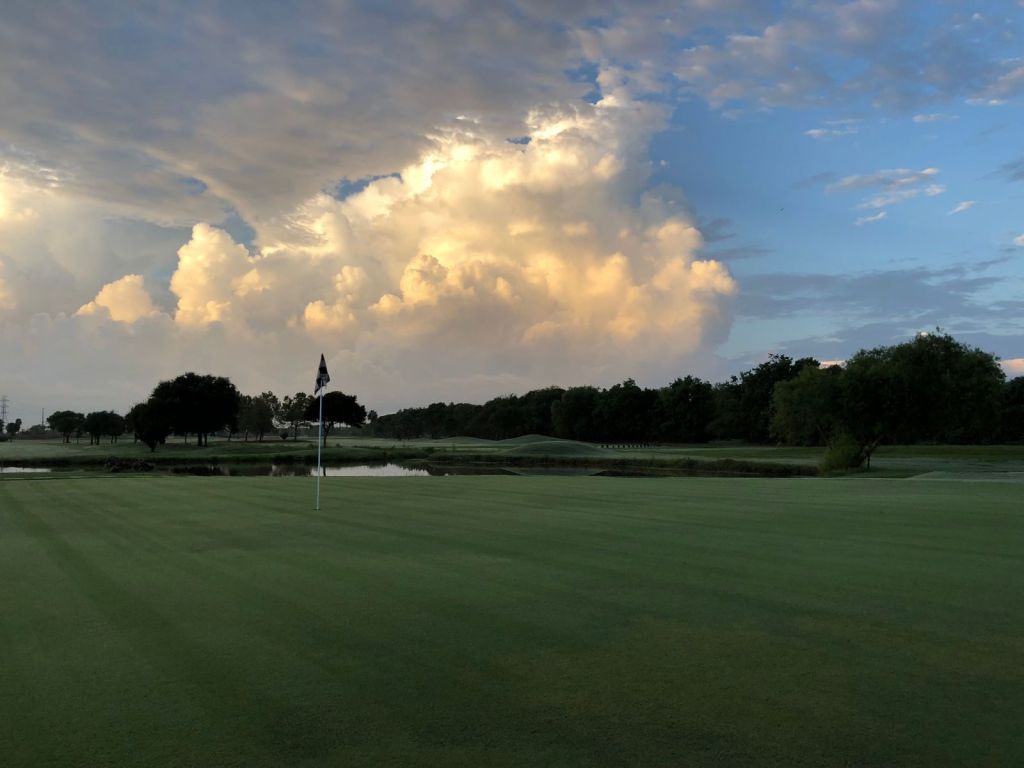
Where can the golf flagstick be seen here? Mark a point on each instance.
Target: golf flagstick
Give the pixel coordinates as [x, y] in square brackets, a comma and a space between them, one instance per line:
[322, 377]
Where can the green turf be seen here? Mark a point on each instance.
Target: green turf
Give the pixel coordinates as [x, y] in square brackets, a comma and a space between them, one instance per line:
[525, 439]
[511, 622]
[568, 448]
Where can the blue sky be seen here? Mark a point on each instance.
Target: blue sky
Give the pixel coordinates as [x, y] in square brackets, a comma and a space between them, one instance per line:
[236, 188]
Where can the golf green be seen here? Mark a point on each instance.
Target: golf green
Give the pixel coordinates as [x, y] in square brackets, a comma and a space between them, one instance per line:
[510, 621]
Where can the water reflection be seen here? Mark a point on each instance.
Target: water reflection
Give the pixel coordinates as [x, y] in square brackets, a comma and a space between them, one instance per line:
[22, 470]
[361, 470]
[400, 470]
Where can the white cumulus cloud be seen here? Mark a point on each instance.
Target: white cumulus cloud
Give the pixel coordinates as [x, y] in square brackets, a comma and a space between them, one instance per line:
[508, 265]
[125, 300]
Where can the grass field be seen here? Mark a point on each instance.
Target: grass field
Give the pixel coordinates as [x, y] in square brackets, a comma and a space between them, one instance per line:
[511, 622]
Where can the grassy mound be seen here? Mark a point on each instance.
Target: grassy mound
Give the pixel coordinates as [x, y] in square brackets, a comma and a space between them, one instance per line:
[463, 440]
[554, 447]
[530, 439]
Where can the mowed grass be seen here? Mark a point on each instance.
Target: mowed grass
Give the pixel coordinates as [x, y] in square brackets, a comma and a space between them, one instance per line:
[499, 621]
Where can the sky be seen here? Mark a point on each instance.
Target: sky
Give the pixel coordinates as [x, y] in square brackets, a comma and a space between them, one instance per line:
[454, 200]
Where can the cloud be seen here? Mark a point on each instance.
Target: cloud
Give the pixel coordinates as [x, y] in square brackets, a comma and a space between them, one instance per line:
[880, 53]
[125, 300]
[1013, 367]
[535, 246]
[256, 112]
[1013, 171]
[830, 133]
[213, 272]
[239, 190]
[934, 117]
[893, 186]
[871, 219]
[6, 299]
[921, 296]
[863, 310]
[1008, 85]
[961, 207]
[1019, 241]
[515, 264]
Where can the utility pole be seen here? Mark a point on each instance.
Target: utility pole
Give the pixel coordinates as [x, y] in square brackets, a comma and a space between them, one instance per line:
[3, 410]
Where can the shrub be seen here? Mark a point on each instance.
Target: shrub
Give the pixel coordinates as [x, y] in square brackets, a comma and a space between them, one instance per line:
[843, 452]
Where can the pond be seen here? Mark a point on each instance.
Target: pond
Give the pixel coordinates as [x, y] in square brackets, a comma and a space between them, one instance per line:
[384, 469]
[389, 469]
[401, 470]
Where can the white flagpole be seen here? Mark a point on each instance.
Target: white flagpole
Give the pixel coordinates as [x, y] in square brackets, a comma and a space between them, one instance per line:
[319, 443]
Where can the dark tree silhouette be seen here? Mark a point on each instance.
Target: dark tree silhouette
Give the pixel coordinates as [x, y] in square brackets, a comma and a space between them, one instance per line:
[684, 410]
[103, 424]
[194, 404]
[67, 423]
[150, 423]
[339, 408]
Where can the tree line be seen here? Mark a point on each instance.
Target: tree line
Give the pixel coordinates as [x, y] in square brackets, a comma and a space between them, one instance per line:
[196, 406]
[932, 389]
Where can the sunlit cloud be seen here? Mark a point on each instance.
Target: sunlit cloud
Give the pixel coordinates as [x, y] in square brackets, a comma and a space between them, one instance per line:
[484, 207]
[125, 300]
[504, 251]
[1013, 367]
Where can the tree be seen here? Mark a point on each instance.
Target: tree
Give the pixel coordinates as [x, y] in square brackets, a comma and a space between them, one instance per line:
[194, 404]
[150, 423]
[256, 414]
[292, 411]
[930, 389]
[625, 412]
[67, 423]
[684, 410]
[339, 408]
[13, 428]
[805, 408]
[1013, 411]
[103, 424]
[756, 389]
[727, 423]
[574, 414]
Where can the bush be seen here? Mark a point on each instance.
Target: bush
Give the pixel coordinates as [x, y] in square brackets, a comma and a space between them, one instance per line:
[284, 434]
[843, 452]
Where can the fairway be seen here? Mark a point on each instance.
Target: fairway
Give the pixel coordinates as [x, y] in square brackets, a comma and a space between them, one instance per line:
[504, 621]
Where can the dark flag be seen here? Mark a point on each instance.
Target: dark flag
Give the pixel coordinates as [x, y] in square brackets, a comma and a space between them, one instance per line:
[322, 377]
